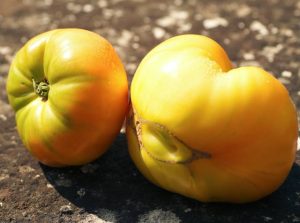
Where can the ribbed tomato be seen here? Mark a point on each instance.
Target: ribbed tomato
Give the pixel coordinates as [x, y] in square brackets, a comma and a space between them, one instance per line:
[205, 130]
[69, 91]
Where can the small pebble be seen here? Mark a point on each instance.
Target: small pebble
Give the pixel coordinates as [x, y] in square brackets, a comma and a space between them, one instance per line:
[274, 30]
[88, 8]
[166, 21]
[4, 176]
[243, 11]
[158, 32]
[66, 209]
[259, 27]
[241, 25]
[287, 32]
[3, 117]
[266, 218]
[214, 23]
[92, 218]
[226, 41]
[135, 45]
[25, 169]
[125, 38]
[270, 51]
[131, 67]
[159, 215]
[286, 73]
[102, 3]
[81, 192]
[248, 56]
[187, 210]
[5, 50]
[36, 176]
[49, 186]
[184, 27]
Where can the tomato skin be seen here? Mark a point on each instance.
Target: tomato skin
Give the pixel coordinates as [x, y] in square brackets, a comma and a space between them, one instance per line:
[207, 131]
[87, 99]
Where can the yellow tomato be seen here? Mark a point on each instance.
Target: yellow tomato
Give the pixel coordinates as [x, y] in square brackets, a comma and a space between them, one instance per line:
[69, 90]
[202, 129]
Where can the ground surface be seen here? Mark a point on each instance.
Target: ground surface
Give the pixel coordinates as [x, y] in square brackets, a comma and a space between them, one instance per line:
[263, 33]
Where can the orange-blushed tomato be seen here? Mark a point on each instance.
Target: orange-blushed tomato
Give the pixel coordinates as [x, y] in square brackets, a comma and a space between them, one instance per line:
[206, 130]
[69, 91]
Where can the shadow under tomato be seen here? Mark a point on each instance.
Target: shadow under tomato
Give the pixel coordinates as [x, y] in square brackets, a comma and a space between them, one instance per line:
[113, 183]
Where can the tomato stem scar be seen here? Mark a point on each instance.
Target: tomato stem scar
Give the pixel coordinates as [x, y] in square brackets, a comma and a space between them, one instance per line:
[41, 88]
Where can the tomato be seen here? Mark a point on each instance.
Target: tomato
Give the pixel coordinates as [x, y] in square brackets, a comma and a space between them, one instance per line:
[69, 91]
[203, 129]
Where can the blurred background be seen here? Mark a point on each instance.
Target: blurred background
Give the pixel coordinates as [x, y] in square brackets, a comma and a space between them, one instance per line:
[262, 33]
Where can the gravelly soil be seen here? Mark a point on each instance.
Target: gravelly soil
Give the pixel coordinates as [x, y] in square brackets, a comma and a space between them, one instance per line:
[264, 33]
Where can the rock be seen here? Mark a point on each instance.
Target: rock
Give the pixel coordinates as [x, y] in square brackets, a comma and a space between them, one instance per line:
[243, 11]
[25, 169]
[187, 210]
[159, 215]
[214, 23]
[3, 117]
[102, 3]
[125, 37]
[131, 67]
[266, 218]
[166, 21]
[81, 192]
[184, 27]
[91, 218]
[4, 50]
[286, 73]
[88, 8]
[158, 32]
[248, 56]
[257, 26]
[3, 176]
[107, 215]
[66, 209]
[270, 51]
[49, 186]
